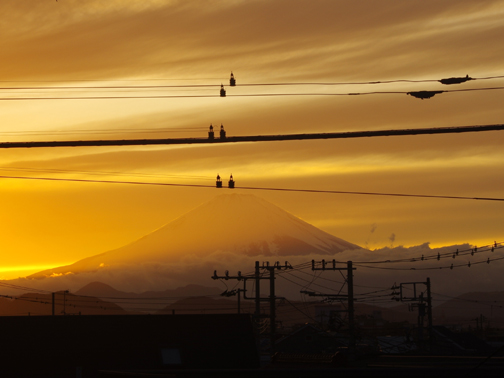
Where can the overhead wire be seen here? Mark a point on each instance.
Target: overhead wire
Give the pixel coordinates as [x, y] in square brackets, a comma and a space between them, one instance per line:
[18, 287]
[452, 266]
[102, 173]
[101, 131]
[251, 188]
[372, 82]
[71, 299]
[437, 256]
[235, 95]
[254, 138]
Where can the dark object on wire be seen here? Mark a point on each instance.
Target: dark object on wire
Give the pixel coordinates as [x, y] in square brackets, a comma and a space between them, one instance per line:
[424, 94]
[455, 80]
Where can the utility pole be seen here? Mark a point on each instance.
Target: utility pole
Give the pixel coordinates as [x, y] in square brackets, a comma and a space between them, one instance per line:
[429, 306]
[325, 265]
[64, 301]
[257, 290]
[419, 298]
[351, 312]
[257, 277]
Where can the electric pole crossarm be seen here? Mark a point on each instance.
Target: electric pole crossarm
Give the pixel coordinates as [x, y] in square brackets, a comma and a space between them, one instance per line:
[328, 265]
[239, 277]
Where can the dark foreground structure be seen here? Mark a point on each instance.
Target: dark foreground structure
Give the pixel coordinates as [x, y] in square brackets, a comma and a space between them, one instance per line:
[81, 346]
[206, 346]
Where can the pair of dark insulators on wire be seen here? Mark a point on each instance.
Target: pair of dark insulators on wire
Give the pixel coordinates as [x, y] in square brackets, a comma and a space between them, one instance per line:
[232, 83]
[222, 133]
[231, 182]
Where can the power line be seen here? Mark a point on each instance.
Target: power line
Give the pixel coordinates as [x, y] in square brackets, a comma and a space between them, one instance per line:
[255, 138]
[253, 188]
[18, 287]
[452, 266]
[453, 254]
[101, 131]
[442, 81]
[238, 95]
[104, 173]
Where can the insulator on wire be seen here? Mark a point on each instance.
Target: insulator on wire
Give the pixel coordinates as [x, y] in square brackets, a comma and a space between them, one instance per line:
[488, 260]
[211, 132]
[451, 267]
[222, 132]
[469, 264]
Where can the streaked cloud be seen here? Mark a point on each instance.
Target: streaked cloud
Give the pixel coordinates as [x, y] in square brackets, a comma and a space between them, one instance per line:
[52, 44]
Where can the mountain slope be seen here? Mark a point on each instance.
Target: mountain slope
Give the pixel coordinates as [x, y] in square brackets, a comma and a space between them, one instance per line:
[236, 223]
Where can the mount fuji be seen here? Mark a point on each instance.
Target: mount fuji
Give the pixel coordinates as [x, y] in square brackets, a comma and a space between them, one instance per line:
[237, 224]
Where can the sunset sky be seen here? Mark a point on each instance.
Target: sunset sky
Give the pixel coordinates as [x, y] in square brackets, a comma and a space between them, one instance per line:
[47, 45]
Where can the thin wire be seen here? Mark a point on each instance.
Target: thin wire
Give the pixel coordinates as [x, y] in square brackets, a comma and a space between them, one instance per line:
[319, 277]
[302, 279]
[17, 287]
[452, 254]
[308, 316]
[217, 85]
[102, 173]
[453, 266]
[238, 95]
[96, 80]
[111, 131]
[255, 138]
[251, 188]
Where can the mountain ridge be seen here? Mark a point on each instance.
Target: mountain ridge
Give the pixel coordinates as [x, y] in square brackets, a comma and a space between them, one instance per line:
[238, 223]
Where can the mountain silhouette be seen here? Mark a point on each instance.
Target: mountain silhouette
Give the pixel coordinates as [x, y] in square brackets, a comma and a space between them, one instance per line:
[241, 224]
[65, 304]
[102, 290]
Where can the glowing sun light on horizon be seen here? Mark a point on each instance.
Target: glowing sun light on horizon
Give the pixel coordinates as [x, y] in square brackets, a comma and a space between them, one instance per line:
[12, 272]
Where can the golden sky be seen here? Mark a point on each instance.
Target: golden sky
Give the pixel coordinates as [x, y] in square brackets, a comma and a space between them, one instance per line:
[91, 43]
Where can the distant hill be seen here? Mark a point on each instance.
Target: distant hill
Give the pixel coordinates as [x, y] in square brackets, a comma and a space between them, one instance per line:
[102, 290]
[289, 313]
[148, 301]
[464, 309]
[65, 303]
